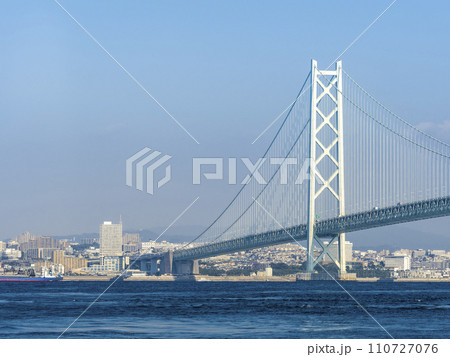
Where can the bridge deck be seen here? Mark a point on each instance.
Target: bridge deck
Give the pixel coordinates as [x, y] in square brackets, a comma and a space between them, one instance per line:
[401, 213]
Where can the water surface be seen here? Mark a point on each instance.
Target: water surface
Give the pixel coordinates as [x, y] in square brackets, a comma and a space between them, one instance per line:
[224, 310]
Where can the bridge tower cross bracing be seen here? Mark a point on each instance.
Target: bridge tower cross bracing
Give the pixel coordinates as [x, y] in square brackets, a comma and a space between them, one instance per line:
[327, 80]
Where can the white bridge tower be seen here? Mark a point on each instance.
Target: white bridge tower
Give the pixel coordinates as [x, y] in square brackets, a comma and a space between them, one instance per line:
[326, 85]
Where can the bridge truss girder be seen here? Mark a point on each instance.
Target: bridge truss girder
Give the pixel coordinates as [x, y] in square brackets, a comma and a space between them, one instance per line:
[438, 207]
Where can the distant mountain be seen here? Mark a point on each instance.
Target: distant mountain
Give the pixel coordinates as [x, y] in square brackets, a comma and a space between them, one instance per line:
[145, 235]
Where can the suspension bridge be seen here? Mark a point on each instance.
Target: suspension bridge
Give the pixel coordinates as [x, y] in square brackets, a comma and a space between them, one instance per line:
[367, 168]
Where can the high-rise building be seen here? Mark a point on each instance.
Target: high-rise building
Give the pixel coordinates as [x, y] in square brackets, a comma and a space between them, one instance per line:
[25, 237]
[111, 239]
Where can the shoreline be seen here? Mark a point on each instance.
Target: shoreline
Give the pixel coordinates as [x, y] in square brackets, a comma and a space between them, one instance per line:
[205, 278]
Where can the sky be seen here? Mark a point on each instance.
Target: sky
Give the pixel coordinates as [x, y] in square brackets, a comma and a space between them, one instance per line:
[70, 116]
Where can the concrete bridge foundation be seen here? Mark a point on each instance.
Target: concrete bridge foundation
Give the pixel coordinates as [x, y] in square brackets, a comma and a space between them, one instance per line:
[165, 264]
[186, 267]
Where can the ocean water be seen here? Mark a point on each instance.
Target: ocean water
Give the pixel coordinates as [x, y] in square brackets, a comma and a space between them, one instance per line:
[224, 310]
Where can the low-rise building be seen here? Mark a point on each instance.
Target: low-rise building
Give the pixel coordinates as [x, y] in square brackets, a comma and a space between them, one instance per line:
[11, 254]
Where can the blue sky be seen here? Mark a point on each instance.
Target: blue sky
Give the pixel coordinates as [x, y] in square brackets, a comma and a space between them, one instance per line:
[69, 116]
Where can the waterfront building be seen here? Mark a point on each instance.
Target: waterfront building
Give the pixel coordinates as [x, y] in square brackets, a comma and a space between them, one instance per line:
[400, 262]
[111, 239]
[113, 263]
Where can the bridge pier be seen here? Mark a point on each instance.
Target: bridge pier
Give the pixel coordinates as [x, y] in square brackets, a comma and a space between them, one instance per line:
[165, 264]
[153, 266]
[150, 265]
[339, 259]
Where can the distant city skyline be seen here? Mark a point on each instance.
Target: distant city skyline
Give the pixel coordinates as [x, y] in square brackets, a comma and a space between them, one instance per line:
[390, 237]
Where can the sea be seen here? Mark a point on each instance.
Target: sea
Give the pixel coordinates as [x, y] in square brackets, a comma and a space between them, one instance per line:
[183, 309]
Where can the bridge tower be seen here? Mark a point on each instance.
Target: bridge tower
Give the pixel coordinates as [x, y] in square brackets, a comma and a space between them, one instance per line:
[323, 87]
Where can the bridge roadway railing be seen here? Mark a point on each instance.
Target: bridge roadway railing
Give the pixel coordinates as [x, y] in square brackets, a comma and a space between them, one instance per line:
[401, 213]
